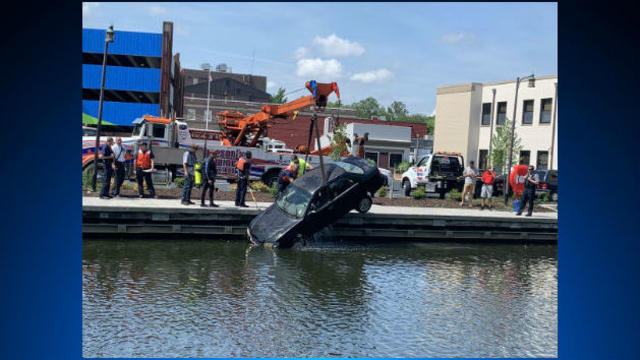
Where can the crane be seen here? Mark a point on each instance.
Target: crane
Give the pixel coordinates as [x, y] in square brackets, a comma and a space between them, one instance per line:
[237, 127]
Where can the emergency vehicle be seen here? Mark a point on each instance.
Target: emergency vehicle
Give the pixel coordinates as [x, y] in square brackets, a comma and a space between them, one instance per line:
[438, 173]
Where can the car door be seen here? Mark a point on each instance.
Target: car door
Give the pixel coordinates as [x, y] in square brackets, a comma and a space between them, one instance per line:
[421, 170]
[343, 193]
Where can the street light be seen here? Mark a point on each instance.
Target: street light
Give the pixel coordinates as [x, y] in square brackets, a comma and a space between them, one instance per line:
[108, 39]
[207, 67]
[532, 83]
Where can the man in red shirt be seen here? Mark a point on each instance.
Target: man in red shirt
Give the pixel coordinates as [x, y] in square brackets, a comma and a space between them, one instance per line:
[488, 178]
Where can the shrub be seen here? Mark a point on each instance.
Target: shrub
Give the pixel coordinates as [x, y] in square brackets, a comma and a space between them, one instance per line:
[273, 190]
[542, 198]
[455, 195]
[419, 193]
[403, 166]
[372, 162]
[382, 192]
[179, 181]
[259, 186]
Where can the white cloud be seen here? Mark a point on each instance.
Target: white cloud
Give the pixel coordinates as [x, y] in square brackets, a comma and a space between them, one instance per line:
[157, 10]
[433, 113]
[373, 76]
[322, 70]
[454, 38]
[301, 53]
[271, 85]
[87, 8]
[333, 45]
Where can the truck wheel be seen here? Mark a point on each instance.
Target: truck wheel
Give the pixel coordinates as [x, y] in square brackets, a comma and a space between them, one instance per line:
[364, 205]
[406, 186]
[270, 178]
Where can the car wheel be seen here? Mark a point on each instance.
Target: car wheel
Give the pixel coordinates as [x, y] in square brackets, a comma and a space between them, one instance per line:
[364, 205]
[406, 186]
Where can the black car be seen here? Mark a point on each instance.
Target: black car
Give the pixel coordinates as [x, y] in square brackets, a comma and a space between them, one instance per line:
[306, 206]
[548, 183]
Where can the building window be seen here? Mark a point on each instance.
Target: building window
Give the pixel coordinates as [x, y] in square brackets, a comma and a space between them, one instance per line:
[545, 111]
[395, 160]
[525, 156]
[207, 115]
[527, 112]
[502, 113]
[191, 114]
[371, 155]
[486, 114]
[542, 161]
[482, 159]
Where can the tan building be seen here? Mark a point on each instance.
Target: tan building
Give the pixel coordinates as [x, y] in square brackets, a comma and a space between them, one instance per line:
[467, 116]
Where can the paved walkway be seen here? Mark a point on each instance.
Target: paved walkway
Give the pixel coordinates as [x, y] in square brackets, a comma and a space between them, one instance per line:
[133, 203]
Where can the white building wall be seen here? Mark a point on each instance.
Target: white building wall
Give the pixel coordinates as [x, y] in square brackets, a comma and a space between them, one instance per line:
[459, 115]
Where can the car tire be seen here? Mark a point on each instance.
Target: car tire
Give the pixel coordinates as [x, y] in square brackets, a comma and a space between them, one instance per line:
[406, 186]
[364, 205]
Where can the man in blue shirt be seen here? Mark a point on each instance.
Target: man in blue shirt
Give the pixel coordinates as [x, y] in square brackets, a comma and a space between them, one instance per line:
[209, 179]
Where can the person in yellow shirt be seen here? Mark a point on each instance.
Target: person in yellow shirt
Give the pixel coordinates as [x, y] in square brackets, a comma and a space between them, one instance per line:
[303, 166]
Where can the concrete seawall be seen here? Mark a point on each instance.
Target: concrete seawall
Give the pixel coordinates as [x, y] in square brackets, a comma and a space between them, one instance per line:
[123, 218]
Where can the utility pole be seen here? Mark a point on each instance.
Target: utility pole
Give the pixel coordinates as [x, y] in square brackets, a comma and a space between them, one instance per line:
[108, 39]
[532, 82]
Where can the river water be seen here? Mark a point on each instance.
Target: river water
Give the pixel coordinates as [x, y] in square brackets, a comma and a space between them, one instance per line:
[227, 299]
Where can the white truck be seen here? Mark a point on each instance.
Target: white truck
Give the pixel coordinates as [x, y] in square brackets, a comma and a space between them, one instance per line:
[439, 173]
[169, 139]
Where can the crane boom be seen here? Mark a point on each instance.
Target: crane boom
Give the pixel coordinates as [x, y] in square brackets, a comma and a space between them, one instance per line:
[236, 127]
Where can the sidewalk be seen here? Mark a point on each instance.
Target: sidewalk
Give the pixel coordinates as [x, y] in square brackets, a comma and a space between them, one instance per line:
[136, 203]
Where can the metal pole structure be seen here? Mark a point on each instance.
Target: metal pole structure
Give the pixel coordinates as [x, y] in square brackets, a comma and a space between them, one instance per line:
[314, 119]
[553, 127]
[207, 115]
[493, 105]
[108, 39]
[513, 129]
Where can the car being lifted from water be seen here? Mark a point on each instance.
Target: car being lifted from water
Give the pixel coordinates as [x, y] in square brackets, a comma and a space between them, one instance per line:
[306, 206]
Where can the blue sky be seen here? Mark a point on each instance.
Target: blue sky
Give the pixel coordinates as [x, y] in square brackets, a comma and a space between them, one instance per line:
[391, 51]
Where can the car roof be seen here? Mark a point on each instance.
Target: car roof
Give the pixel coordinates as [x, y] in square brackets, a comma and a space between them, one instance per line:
[312, 180]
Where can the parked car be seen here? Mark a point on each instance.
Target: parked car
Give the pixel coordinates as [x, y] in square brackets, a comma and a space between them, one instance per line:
[548, 183]
[306, 206]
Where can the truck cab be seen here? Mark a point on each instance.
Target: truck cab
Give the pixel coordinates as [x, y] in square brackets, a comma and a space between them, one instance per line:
[438, 173]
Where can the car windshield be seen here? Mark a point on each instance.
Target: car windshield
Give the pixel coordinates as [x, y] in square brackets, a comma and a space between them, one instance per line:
[350, 167]
[294, 201]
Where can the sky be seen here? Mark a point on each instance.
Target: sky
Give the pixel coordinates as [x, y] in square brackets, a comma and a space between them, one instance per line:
[390, 51]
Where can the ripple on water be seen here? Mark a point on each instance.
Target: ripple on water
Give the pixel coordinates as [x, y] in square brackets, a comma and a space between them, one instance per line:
[208, 299]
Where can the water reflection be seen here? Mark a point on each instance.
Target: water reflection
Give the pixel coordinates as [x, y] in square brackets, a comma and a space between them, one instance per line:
[155, 298]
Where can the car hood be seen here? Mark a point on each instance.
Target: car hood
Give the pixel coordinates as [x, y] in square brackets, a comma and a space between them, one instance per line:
[271, 225]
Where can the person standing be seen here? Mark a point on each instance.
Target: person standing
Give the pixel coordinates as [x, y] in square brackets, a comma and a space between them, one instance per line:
[107, 160]
[188, 165]
[303, 166]
[143, 169]
[209, 179]
[243, 169]
[287, 175]
[488, 177]
[470, 173]
[529, 194]
[118, 165]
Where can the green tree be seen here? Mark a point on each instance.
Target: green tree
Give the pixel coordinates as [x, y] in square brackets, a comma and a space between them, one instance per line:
[367, 108]
[500, 143]
[397, 111]
[338, 142]
[279, 97]
[335, 104]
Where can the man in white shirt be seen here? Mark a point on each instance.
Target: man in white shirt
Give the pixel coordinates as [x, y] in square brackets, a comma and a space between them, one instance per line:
[118, 165]
[470, 173]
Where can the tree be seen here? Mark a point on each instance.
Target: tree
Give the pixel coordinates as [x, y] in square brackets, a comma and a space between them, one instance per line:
[335, 104]
[279, 97]
[500, 147]
[367, 108]
[397, 111]
[338, 142]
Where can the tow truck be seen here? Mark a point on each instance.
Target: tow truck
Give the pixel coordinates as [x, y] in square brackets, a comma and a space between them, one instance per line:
[438, 173]
[169, 138]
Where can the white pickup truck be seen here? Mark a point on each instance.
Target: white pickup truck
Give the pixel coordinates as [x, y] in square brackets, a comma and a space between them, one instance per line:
[438, 173]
